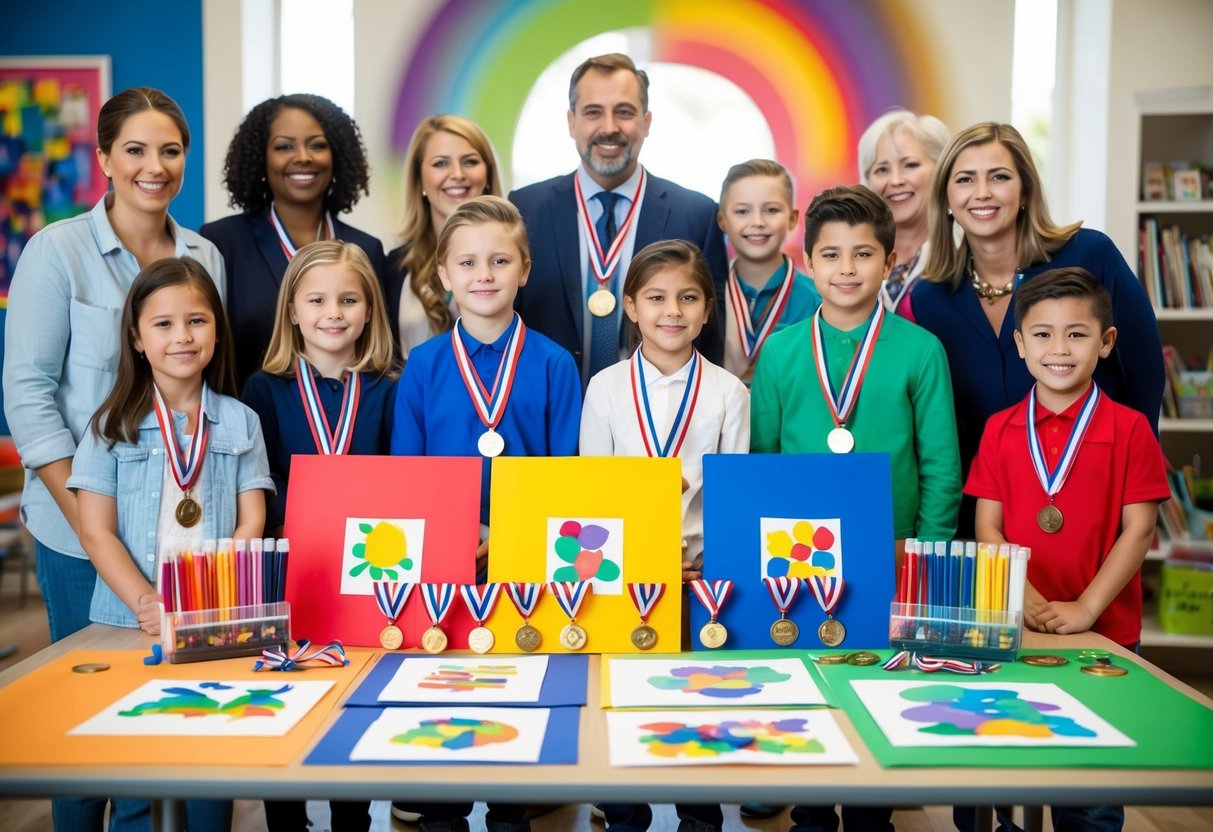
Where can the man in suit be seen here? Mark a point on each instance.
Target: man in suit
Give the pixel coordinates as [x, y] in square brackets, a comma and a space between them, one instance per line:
[584, 226]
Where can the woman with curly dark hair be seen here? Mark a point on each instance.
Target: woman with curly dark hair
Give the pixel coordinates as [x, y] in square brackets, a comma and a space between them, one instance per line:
[295, 163]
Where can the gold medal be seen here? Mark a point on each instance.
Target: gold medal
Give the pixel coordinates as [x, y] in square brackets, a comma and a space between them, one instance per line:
[832, 658]
[784, 631]
[188, 512]
[1044, 661]
[644, 636]
[480, 640]
[90, 667]
[1103, 669]
[1049, 519]
[573, 636]
[863, 658]
[831, 632]
[713, 634]
[527, 638]
[433, 640]
[391, 638]
[602, 303]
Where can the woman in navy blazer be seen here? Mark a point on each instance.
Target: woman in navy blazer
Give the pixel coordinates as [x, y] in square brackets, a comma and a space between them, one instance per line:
[295, 163]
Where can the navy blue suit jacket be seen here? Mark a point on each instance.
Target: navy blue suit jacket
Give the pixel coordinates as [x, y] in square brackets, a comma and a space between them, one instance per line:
[255, 265]
[553, 297]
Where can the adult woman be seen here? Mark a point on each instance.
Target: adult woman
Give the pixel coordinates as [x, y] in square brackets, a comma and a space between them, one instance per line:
[449, 160]
[897, 155]
[987, 184]
[295, 163]
[61, 354]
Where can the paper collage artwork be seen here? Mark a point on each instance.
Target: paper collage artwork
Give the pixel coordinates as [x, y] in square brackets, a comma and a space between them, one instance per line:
[690, 682]
[753, 737]
[435, 735]
[458, 680]
[587, 550]
[800, 548]
[208, 708]
[957, 714]
[378, 549]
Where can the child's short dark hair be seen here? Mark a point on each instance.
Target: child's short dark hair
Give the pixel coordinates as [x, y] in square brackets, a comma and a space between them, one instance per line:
[1069, 282]
[854, 205]
[662, 255]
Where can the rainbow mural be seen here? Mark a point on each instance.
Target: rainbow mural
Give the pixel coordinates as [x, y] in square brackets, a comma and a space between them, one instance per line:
[818, 70]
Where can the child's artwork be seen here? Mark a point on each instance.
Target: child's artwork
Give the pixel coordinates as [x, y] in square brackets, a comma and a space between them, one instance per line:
[378, 549]
[612, 521]
[440, 735]
[983, 714]
[777, 515]
[355, 520]
[694, 683]
[737, 737]
[587, 550]
[800, 548]
[462, 680]
[207, 708]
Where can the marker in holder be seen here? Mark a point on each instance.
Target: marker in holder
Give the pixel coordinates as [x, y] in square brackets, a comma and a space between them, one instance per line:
[230, 632]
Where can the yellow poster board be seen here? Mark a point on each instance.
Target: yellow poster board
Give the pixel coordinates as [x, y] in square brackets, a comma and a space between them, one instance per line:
[610, 520]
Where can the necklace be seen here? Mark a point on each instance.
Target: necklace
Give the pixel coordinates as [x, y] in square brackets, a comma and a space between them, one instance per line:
[990, 294]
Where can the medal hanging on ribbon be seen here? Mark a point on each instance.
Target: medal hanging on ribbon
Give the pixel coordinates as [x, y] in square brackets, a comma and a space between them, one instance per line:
[525, 598]
[490, 405]
[391, 597]
[682, 418]
[828, 592]
[1049, 518]
[480, 601]
[604, 263]
[842, 403]
[645, 598]
[712, 594]
[328, 442]
[437, 599]
[185, 471]
[784, 631]
[326, 228]
[571, 595]
[751, 338]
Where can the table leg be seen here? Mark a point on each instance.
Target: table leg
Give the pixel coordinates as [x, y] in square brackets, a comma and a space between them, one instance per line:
[983, 819]
[1033, 818]
[168, 815]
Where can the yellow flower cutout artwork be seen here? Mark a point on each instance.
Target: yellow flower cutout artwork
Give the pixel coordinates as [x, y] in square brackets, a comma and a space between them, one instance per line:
[384, 549]
[803, 553]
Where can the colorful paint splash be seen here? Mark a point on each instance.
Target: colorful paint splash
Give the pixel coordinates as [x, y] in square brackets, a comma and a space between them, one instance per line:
[459, 678]
[190, 703]
[457, 733]
[384, 549]
[678, 739]
[805, 552]
[986, 712]
[719, 682]
[581, 547]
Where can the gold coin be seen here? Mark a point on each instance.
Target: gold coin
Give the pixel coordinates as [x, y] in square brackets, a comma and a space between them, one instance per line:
[433, 640]
[831, 632]
[602, 303]
[832, 658]
[527, 638]
[644, 637]
[863, 658]
[713, 634]
[784, 632]
[480, 640]
[391, 638]
[1104, 670]
[573, 636]
[1045, 661]
[188, 512]
[90, 667]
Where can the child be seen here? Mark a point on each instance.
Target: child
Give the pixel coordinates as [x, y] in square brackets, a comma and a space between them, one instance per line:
[896, 373]
[668, 400]
[327, 386]
[489, 387]
[171, 457]
[765, 292]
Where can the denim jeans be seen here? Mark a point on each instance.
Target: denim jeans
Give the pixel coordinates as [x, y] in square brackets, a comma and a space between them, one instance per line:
[85, 814]
[67, 585]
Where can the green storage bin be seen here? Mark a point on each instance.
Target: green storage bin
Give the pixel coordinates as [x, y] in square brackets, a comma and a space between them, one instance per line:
[1185, 603]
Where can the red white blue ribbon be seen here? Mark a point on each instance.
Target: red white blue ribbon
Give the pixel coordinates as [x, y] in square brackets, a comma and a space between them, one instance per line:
[752, 339]
[332, 654]
[933, 664]
[645, 597]
[1052, 481]
[712, 594]
[284, 239]
[337, 440]
[525, 597]
[570, 595]
[490, 405]
[842, 402]
[604, 263]
[827, 590]
[480, 599]
[783, 591]
[682, 418]
[437, 599]
[391, 597]
[185, 470]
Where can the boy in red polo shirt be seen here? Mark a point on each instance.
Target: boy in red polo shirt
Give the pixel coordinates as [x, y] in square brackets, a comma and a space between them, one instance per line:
[1081, 489]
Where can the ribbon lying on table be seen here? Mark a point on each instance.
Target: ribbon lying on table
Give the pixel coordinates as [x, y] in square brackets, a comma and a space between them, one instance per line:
[931, 664]
[332, 653]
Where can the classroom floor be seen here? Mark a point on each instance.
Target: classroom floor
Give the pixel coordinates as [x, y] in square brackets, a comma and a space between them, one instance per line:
[24, 627]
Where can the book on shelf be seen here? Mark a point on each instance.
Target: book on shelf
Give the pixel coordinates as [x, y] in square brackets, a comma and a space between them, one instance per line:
[1175, 268]
[1180, 180]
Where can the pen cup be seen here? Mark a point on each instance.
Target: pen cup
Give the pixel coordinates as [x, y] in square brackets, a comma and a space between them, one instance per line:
[956, 632]
[224, 633]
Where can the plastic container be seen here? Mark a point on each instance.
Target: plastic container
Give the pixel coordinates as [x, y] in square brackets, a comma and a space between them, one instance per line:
[224, 633]
[956, 632]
